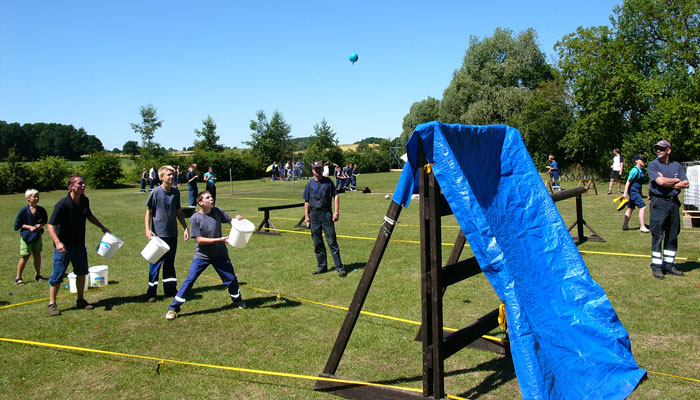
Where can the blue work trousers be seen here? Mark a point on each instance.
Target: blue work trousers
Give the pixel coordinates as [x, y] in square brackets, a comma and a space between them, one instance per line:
[664, 224]
[323, 221]
[222, 266]
[168, 264]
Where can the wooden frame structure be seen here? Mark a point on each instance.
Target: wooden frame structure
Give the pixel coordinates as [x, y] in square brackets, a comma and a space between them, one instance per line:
[438, 344]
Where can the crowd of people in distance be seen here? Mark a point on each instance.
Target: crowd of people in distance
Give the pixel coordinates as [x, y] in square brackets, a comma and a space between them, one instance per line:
[287, 172]
[346, 177]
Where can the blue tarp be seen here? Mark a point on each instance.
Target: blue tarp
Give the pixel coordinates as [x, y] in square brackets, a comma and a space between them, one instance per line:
[565, 338]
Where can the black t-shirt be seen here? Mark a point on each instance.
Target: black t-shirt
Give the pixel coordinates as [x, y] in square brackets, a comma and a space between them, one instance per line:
[69, 220]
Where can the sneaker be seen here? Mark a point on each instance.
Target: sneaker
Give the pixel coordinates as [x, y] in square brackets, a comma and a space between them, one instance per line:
[82, 303]
[151, 299]
[342, 273]
[40, 278]
[674, 271]
[240, 304]
[53, 310]
[657, 273]
[170, 315]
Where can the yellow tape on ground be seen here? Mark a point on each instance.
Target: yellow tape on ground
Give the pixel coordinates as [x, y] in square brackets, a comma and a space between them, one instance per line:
[161, 361]
[389, 317]
[43, 299]
[674, 376]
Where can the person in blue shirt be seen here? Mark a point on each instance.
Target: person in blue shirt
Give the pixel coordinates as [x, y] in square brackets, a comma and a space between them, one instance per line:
[320, 198]
[553, 170]
[210, 182]
[30, 221]
[666, 180]
[210, 249]
[633, 192]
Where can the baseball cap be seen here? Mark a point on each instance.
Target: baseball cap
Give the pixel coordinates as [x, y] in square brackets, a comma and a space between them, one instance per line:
[662, 143]
[317, 164]
[639, 157]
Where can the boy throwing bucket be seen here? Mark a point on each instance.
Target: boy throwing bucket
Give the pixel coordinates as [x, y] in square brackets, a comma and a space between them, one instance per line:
[211, 249]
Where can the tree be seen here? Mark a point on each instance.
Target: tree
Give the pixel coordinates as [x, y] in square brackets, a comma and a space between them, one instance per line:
[102, 170]
[323, 145]
[148, 126]
[208, 134]
[496, 79]
[635, 83]
[421, 112]
[131, 147]
[270, 140]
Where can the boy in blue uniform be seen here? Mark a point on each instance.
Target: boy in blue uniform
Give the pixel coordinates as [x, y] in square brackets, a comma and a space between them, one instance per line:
[319, 195]
[29, 222]
[162, 214]
[666, 180]
[633, 192]
[553, 170]
[210, 249]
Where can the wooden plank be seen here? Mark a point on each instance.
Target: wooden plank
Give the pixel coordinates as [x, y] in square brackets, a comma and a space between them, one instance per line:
[567, 194]
[457, 248]
[280, 207]
[435, 222]
[363, 392]
[363, 287]
[426, 304]
[460, 271]
[463, 337]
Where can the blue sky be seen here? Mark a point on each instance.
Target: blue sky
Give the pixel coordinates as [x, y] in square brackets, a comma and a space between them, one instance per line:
[92, 64]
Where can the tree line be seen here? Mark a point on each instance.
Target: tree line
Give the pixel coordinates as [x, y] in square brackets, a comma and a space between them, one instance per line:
[625, 86]
[33, 141]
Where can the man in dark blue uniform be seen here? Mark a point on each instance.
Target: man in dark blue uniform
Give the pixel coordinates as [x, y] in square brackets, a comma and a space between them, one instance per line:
[666, 180]
[319, 196]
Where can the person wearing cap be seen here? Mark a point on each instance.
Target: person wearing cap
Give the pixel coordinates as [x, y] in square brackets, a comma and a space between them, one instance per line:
[616, 170]
[633, 192]
[666, 180]
[321, 211]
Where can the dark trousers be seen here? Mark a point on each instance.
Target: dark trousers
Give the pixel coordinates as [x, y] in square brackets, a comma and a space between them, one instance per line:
[143, 185]
[168, 264]
[212, 191]
[222, 266]
[151, 183]
[665, 224]
[193, 195]
[323, 221]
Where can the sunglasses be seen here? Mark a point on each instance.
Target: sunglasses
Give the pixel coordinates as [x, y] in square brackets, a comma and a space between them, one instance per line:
[661, 148]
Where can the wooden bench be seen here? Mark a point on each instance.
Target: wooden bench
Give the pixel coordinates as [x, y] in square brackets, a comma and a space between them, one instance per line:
[269, 227]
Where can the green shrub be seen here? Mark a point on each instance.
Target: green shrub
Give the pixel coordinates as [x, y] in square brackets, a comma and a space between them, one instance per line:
[102, 170]
[17, 177]
[51, 173]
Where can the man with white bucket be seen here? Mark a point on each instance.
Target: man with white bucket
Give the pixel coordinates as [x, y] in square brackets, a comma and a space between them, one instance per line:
[210, 249]
[162, 214]
[67, 229]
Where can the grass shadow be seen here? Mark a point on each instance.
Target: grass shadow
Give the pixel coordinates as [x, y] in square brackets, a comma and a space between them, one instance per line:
[354, 266]
[110, 303]
[501, 368]
[253, 302]
[688, 266]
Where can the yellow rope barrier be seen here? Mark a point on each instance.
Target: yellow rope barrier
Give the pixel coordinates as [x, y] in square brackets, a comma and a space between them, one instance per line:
[161, 363]
[43, 299]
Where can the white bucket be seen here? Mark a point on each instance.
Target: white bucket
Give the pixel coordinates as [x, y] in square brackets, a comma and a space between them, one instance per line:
[241, 231]
[72, 284]
[109, 244]
[154, 250]
[99, 275]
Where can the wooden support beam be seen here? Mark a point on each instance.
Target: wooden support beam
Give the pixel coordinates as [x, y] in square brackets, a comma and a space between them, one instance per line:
[358, 299]
[470, 333]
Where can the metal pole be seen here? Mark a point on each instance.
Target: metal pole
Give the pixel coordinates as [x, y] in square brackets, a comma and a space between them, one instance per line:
[230, 180]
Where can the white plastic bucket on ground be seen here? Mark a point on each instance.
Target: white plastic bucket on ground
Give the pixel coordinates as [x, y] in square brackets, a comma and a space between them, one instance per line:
[99, 275]
[241, 231]
[109, 244]
[72, 283]
[155, 249]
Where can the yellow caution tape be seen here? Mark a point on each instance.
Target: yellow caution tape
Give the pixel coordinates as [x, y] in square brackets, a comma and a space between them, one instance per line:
[428, 168]
[161, 362]
[44, 299]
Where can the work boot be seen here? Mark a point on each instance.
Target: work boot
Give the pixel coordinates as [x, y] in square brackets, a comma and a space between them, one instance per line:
[657, 273]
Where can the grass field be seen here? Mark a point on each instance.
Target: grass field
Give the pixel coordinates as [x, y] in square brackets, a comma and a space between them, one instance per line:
[294, 332]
